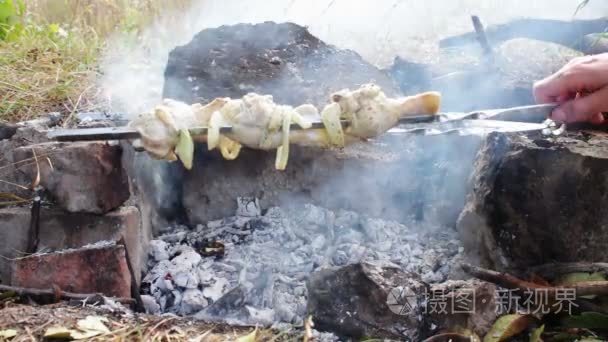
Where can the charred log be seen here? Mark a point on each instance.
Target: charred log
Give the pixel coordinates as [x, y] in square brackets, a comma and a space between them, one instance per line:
[567, 33]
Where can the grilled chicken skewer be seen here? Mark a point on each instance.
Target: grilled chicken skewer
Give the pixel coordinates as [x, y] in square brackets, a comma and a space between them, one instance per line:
[257, 122]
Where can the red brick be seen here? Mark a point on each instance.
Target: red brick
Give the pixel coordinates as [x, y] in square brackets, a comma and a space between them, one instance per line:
[94, 269]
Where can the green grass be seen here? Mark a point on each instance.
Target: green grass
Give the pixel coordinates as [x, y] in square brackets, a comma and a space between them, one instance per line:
[50, 49]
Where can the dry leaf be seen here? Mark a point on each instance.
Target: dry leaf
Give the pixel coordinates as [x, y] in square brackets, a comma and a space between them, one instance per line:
[36, 181]
[536, 334]
[579, 277]
[58, 332]
[95, 323]
[8, 333]
[452, 337]
[308, 325]
[508, 326]
[252, 337]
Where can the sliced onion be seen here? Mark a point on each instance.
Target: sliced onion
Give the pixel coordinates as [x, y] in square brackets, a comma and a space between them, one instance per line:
[331, 119]
[185, 148]
[213, 131]
[230, 149]
[283, 150]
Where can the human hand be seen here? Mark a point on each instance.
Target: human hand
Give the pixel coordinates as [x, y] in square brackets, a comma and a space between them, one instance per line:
[581, 88]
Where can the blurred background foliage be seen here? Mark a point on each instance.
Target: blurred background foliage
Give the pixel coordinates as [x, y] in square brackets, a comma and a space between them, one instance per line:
[49, 49]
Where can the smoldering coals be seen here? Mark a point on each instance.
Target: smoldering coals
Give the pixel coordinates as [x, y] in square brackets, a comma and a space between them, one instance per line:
[261, 278]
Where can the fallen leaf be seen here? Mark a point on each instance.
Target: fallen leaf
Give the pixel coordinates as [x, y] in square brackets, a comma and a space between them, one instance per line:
[508, 326]
[536, 334]
[586, 320]
[252, 337]
[95, 323]
[58, 332]
[449, 337]
[579, 277]
[8, 333]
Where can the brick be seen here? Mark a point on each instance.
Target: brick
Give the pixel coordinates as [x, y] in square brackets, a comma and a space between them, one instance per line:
[100, 268]
[85, 177]
[60, 230]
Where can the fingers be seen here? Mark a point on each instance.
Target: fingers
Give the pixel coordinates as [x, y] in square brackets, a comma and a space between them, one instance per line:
[581, 74]
[583, 109]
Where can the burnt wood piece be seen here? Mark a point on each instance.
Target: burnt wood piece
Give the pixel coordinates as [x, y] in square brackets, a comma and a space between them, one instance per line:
[567, 33]
[55, 294]
[481, 36]
[33, 238]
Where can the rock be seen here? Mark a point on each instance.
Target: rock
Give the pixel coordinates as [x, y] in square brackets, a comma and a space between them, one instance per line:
[594, 43]
[7, 130]
[355, 302]
[193, 301]
[283, 60]
[82, 177]
[100, 268]
[470, 304]
[60, 230]
[396, 177]
[536, 201]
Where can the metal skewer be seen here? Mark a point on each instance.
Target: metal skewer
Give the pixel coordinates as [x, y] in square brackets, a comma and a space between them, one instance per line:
[128, 133]
[529, 114]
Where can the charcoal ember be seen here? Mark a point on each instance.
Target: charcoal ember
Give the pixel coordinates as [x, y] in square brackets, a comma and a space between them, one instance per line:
[283, 60]
[193, 301]
[536, 201]
[265, 271]
[248, 207]
[353, 301]
[159, 250]
[150, 305]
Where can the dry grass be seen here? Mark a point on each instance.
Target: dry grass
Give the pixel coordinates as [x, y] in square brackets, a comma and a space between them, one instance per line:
[31, 322]
[53, 64]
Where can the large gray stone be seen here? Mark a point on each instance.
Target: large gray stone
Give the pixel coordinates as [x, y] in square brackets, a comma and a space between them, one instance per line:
[83, 177]
[363, 301]
[535, 201]
[283, 60]
[397, 177]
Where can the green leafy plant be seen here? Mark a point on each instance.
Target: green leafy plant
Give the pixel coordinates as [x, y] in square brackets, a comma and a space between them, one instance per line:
[12, 14]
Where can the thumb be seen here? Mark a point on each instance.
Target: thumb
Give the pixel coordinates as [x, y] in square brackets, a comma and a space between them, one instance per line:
[584, 108]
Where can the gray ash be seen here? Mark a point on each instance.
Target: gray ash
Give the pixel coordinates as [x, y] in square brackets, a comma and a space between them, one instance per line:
[260, 278]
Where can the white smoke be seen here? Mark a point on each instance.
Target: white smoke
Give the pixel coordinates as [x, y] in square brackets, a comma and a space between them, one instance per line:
[378, 30]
